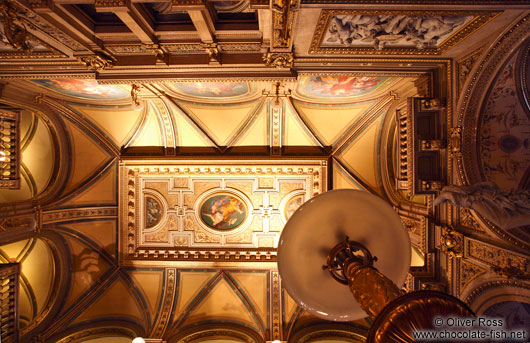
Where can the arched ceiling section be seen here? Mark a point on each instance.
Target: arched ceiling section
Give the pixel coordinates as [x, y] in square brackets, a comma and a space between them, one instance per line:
[503, 143]
[36, 278]
[38, 157]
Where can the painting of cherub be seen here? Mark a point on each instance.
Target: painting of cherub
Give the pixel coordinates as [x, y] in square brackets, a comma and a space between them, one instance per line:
[223, 211]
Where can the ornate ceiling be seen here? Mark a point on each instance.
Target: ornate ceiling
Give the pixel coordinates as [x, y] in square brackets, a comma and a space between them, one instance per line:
[165, 144]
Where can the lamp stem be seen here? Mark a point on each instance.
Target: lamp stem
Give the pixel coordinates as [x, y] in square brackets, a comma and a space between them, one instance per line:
[372, 290]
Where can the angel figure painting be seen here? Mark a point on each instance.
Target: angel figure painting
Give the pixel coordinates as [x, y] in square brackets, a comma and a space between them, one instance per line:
[223, 211]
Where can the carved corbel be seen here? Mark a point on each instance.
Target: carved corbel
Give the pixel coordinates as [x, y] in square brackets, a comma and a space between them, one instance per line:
[157, 50]
[213, 51]
[455, 142]
[279, 59]
[97, 62]
[451, 242]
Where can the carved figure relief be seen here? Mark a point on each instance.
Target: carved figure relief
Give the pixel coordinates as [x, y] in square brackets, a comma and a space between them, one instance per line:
[393, 30]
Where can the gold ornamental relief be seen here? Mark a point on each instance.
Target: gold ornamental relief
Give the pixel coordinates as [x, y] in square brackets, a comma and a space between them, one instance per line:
[198, 189]
[245, 187]
[244, 238]
[288, 187]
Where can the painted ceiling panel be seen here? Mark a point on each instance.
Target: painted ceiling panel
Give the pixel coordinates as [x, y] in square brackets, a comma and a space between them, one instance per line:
[341, 87]
[361, 155]
[221, 122]
[257, 132]
[191, 283]
[222, 303]
[330, 122]
[504, 131]
[116, 301]
[88, 156]
[150, 283]
[117, 123]
[215, 91]
[254, 286]
[149, 134]
[101, 192]
[79, 89]
[87, 268]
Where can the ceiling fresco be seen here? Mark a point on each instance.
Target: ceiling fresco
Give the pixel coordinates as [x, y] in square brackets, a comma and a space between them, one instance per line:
[505, 131]
[83, 89]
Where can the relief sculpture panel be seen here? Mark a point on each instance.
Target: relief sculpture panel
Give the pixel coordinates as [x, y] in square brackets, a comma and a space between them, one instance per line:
[231, 210]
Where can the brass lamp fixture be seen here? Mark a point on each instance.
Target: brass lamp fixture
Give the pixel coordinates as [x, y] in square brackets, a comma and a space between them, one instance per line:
[366, 247]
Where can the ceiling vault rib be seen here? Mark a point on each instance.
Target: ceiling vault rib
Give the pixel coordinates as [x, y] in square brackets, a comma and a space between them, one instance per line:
[83, 125]
[303, 121]
[248, 122]
[246, 301]
[195, 124]
[138, 126]
[193, 304]
[350, 173]
[361, 124]
[62, 321]
[85, 183]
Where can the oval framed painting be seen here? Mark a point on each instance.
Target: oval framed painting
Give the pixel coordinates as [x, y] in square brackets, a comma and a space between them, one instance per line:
[223, 211]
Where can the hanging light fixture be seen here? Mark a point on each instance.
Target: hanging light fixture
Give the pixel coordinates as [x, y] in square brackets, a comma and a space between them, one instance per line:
[354, 238]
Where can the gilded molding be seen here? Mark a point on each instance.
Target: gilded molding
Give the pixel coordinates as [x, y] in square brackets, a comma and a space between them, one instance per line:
[468, 272]
[55, 216]
[283, 17]
[464, 66]
[480, 18]
[97, 62]
[276, 310]
[495, 256]
[475, 294]
[169, 296]
[279, 59]
[97, 333]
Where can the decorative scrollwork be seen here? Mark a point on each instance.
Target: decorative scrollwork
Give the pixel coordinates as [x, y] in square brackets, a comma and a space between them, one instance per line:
[279, 59]
[97, 62]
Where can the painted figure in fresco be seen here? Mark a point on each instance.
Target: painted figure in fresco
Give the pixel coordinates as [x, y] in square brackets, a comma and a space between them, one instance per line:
[342, 85]
[224, 211]
[505, 209]
[83, 88]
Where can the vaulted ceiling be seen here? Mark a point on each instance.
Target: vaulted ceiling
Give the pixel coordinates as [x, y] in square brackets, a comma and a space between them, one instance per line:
[135, 116]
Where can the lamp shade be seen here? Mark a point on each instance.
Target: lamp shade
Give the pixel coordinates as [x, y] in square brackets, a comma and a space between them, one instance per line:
[317, 226]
